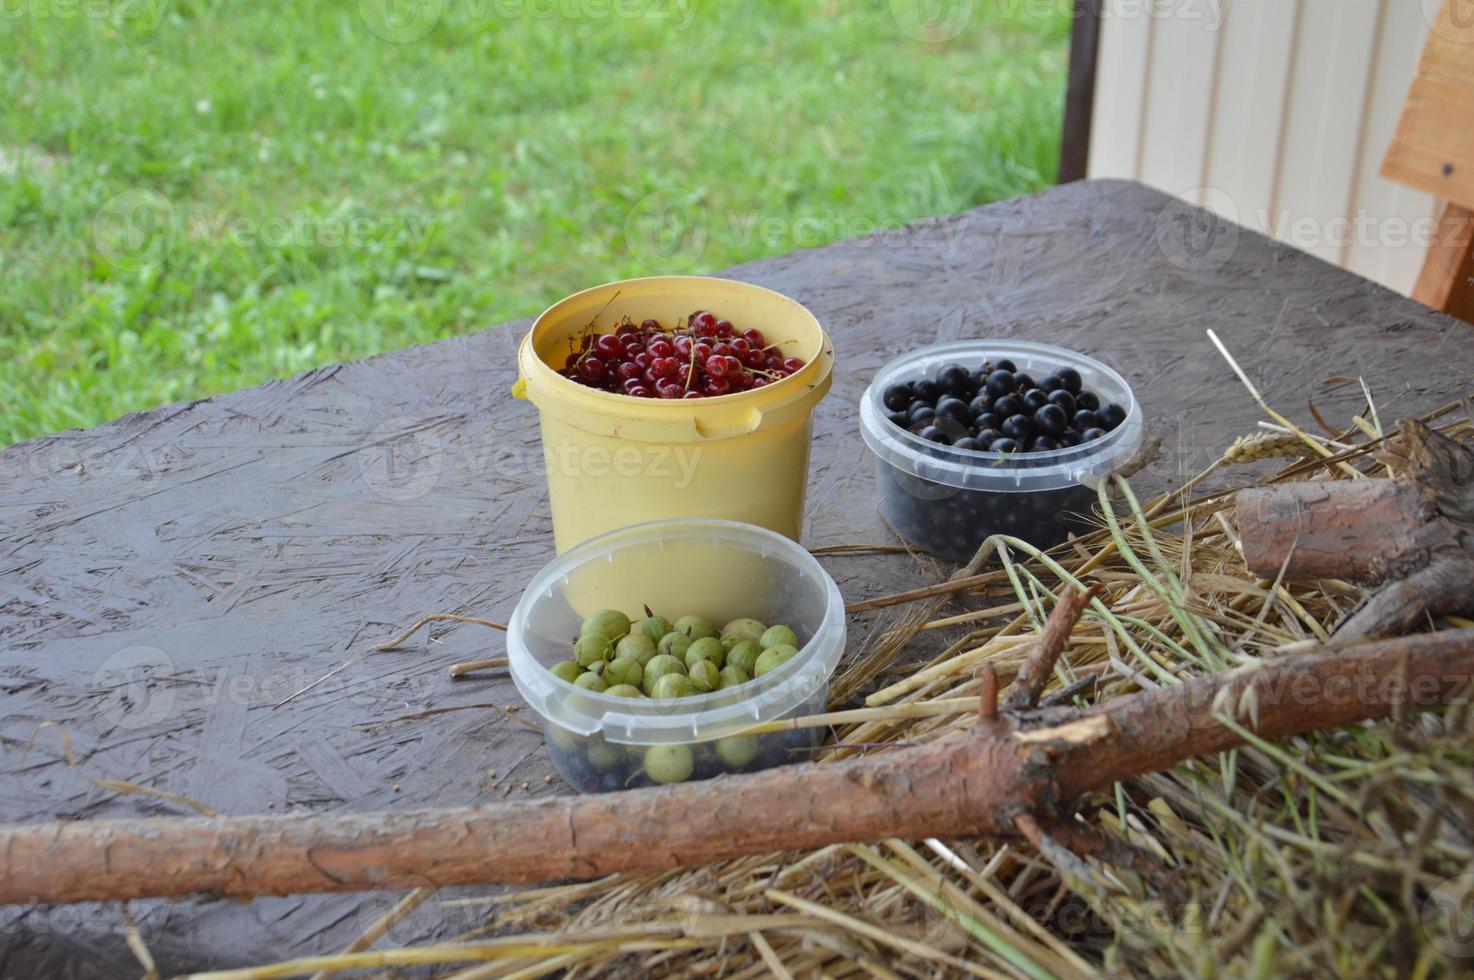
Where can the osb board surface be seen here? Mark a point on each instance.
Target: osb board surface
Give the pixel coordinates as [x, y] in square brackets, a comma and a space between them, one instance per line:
[255, 546]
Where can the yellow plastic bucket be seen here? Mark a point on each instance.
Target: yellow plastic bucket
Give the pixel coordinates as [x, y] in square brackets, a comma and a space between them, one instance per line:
[613, 460]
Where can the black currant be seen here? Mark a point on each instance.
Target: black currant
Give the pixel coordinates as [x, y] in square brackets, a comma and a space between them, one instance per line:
[1022, 382]
[967, 442]
[926, 391]
[1005, 365]
[1069, 438]
[1111, 416]
[1043, 444]
[921, 413]
[1090, 435]
[897, 398]
[1087, 399]
[988, 420]
[980, 405]
[954, 380]
[1000, 383]
[1034, 399]
[987, 437]
[953, 408]
[1071, 378]
[934, 434]
[1050, 419]
[1064, 400]
[1084, 419]
[898, 418]
[1008, 405]
[1018, 427]
[1052, 383]
[1004, 445]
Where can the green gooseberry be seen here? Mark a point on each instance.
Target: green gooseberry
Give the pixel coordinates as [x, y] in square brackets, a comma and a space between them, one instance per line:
[695, 627]
[736, 751]
[606, 622]
[562, 737]
[654, 627]
[744, 655]
[673, 685]
[567, 670]
[744, 629]
[778, 636]
[637, 647]
[706, 648]
[657, 668]
[625, 691]
[592, 649]
[732, 676]
[603, 756]
[590, 681]
[669, 763]
[624, 670]
[674, 644]
[705, 676]
[773, 658]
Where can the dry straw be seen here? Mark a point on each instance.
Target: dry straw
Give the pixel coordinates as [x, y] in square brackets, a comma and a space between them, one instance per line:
[1320, 855]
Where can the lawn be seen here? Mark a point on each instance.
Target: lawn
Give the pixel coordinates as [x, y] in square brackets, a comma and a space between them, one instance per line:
[197, 196]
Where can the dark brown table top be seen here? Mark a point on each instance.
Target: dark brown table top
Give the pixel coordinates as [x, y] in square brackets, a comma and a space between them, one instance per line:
[247, 551]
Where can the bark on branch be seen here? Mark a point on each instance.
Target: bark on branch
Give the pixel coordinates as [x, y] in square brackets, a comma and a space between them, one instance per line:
[1414, 534]
[1036, 762]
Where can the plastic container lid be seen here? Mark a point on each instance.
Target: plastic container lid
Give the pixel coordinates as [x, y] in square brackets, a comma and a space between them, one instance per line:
[1001, 472]
[718, 569]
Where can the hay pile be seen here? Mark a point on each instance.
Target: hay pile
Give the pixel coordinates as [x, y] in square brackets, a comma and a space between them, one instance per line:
[1337, 853]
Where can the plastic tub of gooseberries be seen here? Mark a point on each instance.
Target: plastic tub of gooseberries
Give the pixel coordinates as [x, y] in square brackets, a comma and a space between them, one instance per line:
[718, 570]
[948, 500]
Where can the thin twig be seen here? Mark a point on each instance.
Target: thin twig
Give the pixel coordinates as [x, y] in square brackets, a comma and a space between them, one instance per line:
[1061, 623]
[436, 618]
[470, 666]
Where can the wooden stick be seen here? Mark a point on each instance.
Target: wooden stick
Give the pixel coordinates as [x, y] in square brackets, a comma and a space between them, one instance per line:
[423, 621]
[1032, 679]
[1038, 763]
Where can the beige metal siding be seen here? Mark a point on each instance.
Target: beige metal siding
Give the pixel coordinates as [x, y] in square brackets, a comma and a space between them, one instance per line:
[1274, 111]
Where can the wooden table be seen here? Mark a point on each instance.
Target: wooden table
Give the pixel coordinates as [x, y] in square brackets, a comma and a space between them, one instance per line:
[247, 551]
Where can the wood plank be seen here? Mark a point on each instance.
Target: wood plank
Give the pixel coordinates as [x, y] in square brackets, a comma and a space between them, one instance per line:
[1433, 149]
[1248, 115]
[1178, 107]
[1074, 150]
[1447, 280]
[1122, 69]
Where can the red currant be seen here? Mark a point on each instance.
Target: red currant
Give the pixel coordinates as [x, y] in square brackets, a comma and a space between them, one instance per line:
[716, 366]
[650, 326]
[755, 338]
[661, 348]
[640, 391]
[792, 364]
[724, 328]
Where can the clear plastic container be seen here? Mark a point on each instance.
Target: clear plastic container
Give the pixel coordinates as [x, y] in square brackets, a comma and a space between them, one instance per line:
[720, 570]
[949, 501]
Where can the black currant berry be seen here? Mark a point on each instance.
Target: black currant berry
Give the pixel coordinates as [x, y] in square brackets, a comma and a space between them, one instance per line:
[1008, 405]
[926, 391]
[953, 408]
[1043, 444]
[1052, 383]
[1087, 399]
[988, 420]
[1069, 438]
[1005, 365]
[1000, 383]
[988, 437]
[921, 413]
[1050, 419]
[1071, 378]
[1090, 435]
[1018, 427]
[897, 398]
[967, 442]
[933, 433]
[1064, 400]
[898, 418]
[1022, 382]
[954, 380]
[1111, 416]
[980, 405]
[1084, 419]
[1004, 445]
[1035, 399]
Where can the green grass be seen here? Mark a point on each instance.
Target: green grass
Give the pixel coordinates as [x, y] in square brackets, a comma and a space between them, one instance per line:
[197, 196]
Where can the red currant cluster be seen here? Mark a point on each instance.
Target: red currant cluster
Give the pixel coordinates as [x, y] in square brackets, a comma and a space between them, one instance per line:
[701, 358]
